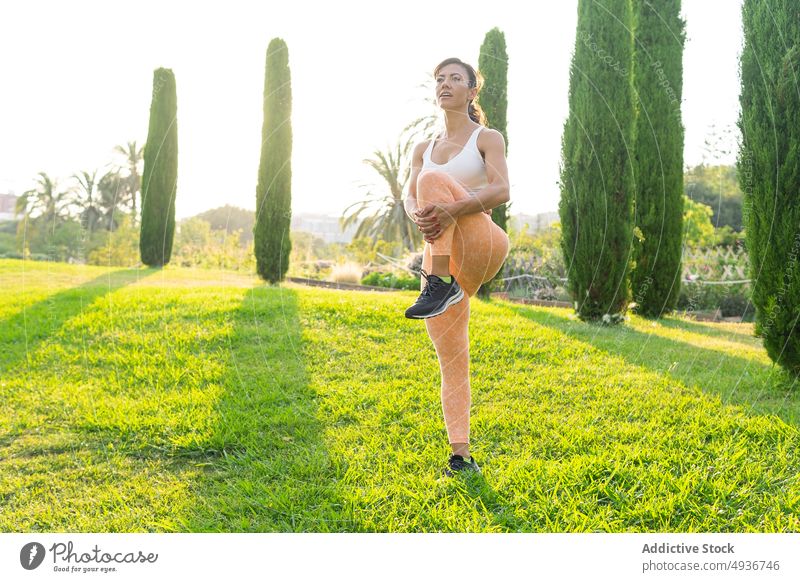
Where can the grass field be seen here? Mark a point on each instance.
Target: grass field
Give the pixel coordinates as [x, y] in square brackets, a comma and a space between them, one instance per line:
[182, 400]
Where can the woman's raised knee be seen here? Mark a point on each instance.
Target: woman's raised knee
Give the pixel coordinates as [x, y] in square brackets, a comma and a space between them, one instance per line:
[428, 178]
[434, 186]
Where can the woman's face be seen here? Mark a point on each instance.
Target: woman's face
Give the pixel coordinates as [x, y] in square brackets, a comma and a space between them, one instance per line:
[452, 90]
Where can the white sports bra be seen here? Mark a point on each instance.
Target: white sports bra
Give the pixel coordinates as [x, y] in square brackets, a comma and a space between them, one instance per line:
[467, 166]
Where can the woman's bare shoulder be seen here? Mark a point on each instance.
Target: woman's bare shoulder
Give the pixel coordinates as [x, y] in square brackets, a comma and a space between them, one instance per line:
[490, 138]
[489, 134]
[420, 148]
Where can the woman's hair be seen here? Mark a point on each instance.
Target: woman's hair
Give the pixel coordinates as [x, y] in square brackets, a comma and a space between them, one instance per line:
[476, 114]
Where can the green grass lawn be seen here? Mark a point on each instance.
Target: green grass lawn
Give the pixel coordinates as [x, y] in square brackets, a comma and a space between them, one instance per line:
[184, 400]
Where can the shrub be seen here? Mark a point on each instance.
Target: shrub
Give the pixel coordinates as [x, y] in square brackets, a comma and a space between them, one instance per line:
[119, 248]
[388, 279]
[348, 272]
[732, 300]
[8, 243]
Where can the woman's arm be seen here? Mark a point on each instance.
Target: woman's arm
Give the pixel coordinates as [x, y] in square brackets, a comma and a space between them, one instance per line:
[410, 205]
[410, 202]
[497, 192]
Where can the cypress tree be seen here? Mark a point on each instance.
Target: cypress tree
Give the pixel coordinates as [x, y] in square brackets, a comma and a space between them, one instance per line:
[160, 174]
[769, 171]
[596, 205]
[274, 192]
[493, 98]
[658, 206]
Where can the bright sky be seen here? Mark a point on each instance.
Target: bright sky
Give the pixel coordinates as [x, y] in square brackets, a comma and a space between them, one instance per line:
[77, 80]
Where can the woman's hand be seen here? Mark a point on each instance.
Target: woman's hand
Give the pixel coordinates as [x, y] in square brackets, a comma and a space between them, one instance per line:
[434, 218]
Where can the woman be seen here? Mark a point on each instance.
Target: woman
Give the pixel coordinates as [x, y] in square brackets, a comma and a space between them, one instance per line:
[455, 182]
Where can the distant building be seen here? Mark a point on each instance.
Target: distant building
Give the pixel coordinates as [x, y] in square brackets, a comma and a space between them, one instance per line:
[8, 205]
[324, 226]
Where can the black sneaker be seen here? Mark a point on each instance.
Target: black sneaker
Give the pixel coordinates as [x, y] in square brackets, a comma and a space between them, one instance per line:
[456, 463]
[435, 297]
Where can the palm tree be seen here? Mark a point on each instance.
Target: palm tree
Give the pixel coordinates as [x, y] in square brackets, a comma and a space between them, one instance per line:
[84, 195]
[111, 189]
[134, 157]
[381, 214]
[44, 203]
[41, 207]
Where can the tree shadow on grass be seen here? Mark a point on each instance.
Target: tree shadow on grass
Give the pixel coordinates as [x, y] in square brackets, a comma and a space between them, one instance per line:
[759, 388]
[266, 466]
[213, 429]
[21, 333]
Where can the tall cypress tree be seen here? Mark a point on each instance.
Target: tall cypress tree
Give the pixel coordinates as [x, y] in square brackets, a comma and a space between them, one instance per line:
[596, 206]
[658, 79]
[493, 98]
[274, 189]
[769, 171]
[160, 175]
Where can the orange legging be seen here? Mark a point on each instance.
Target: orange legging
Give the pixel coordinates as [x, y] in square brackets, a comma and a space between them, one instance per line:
[477, 249]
